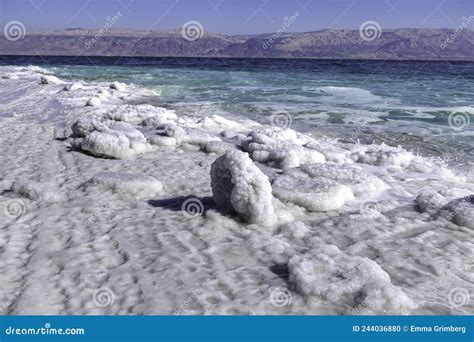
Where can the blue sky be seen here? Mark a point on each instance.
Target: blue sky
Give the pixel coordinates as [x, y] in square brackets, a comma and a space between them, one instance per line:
[236, 16]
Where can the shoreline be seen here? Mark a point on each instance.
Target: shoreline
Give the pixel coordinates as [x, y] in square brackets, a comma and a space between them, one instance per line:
[352, 209]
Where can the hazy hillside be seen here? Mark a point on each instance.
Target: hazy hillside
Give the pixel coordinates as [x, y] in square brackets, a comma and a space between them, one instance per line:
[392, 44]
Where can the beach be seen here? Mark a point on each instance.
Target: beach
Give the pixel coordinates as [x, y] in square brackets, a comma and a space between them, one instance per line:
[113, 204]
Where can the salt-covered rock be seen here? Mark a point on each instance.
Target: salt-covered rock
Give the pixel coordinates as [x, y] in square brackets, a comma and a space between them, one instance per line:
[352, 283]
[381, 155]
[139, 114]
[430, 201]
[136, 185]
[218, 147]
[460, 211]
[83, 126]
[93, 102]
[238, 186]
[284, 147]
[109, 138]
[73, 86]
[50, 79]
[311, 194]
[186, 135]
[361, 183]
[218, 123]
[11, 76]
[36, 191]
[118, 86]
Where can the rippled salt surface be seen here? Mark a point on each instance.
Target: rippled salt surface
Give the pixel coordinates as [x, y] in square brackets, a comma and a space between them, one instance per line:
[108, 207]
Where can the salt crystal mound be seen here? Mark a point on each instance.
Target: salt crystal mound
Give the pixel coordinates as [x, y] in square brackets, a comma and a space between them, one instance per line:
[36, 191]
[381, 155]
[108, 138]
[315, 195]
[329, 148]
[175, 134]
[119, 86]
[460, 211]
[356, 285]
[238, 186]
[217, 123]
[136, 185]
[93, 102]
[217, 147]
[11, 76]
[49, 79]
[284, 148]
[430, 202]
[73, 86]
[137, 114]
[362, 183]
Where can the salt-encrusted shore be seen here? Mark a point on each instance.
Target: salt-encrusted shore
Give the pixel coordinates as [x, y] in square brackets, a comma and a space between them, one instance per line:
[110, 207]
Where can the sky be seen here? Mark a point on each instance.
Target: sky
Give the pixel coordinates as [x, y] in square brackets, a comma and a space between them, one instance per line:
[236, 16]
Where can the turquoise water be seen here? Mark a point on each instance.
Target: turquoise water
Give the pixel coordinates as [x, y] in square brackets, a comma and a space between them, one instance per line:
[424, 106]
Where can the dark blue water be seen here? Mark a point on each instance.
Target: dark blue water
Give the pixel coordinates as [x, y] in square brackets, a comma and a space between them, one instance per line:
[427, 106]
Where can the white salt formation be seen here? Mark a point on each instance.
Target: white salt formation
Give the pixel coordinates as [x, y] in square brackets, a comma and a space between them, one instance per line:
[137, 114]
[460, 211]
[239, 186]
[49, 79]
[312, 194]
[109, 138]
[136, 185]
[93, 102]
[350, 282]
[282, 147]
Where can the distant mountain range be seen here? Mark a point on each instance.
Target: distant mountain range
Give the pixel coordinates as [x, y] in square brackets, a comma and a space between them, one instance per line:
[407, 44]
